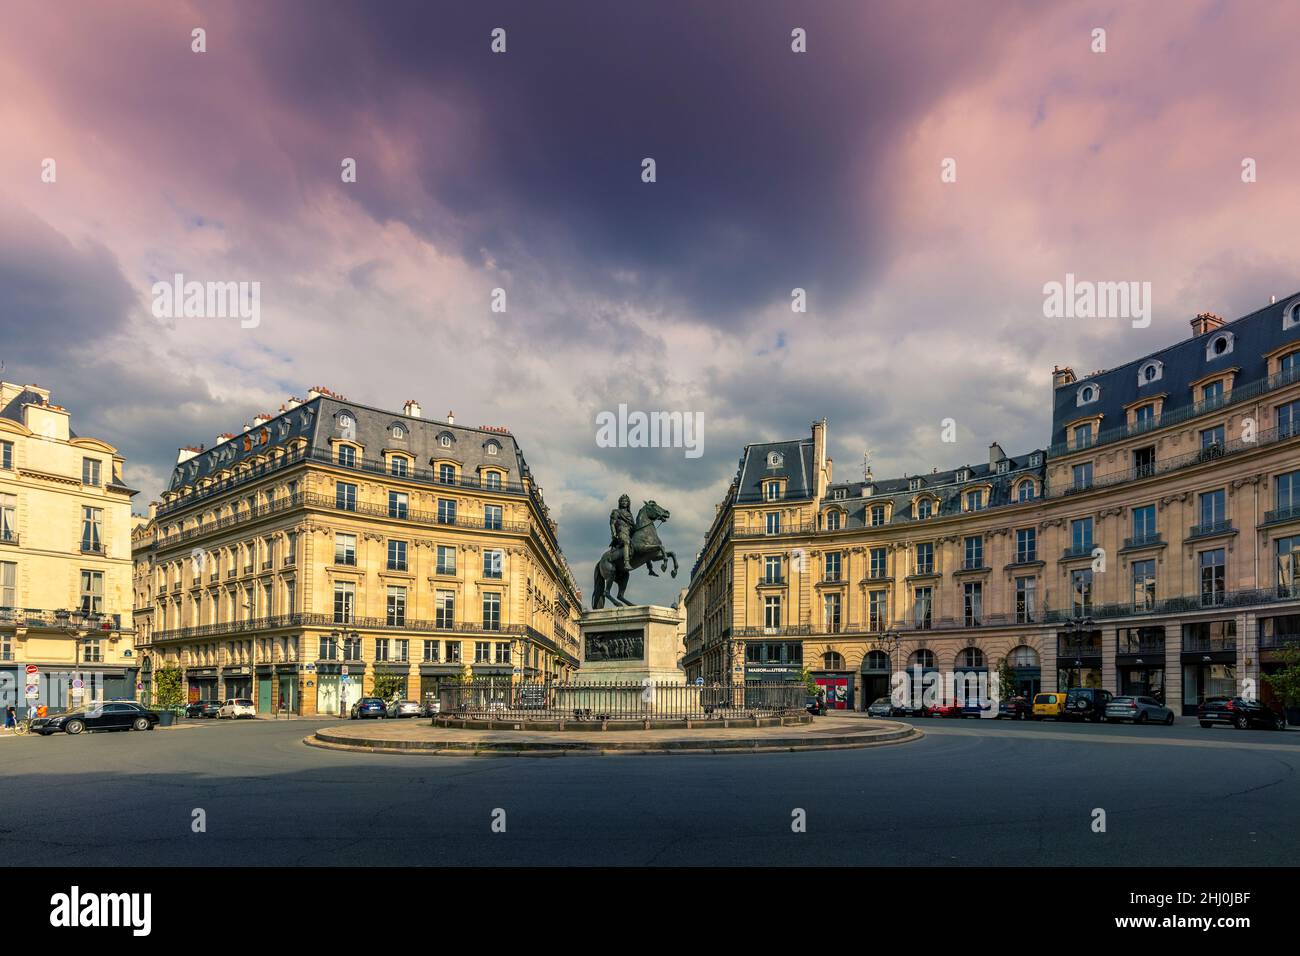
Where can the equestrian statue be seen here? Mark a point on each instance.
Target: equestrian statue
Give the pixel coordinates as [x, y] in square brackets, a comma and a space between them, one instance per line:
[633, 541]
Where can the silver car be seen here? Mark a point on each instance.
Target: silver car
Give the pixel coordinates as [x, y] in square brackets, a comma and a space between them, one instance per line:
[882, 707]
[404, 708]
[1140, 710]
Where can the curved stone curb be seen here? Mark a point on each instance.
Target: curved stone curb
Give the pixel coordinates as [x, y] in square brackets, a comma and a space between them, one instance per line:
[546, 748]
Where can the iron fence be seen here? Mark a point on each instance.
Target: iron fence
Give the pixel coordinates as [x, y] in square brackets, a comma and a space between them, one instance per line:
[502, 698]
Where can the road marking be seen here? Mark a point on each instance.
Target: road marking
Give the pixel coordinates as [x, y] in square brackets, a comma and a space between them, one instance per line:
[1108, 739]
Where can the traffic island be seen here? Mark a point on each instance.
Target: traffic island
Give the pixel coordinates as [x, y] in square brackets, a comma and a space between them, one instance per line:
[510, 738]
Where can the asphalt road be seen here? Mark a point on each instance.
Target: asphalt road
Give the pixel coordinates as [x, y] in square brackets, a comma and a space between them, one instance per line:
[972, 793]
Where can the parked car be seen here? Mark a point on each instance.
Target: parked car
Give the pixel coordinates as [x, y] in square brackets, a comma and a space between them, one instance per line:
[403, 708]
[203, 708]
[1086, 703]
[369, 707]
[1240, 712]
[432, 707]
[885, 707]
[114, 715]
[237, 707]
[1048, 705]
[1140, 710]
[1014, 708]
[946, 709]
[815, 705]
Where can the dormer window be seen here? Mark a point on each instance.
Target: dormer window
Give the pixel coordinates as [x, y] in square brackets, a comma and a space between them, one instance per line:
[492, 447]
[445, 440]
[347, 426]
[1088, 394]
[1004, 467]
[1151, 371]
[914, 484]
[772, 490]
[1291, 315]
[839, 493]
[963, 474]
[877, 515]
[1035, 460]
[1219, 346]
[834, 520]
[924, 508]
[775, 459]
[974, 501]
[1082, 436]
[398, 432]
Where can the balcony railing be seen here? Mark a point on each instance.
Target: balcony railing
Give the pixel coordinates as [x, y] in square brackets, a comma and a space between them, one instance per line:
[1276, 642]
[431, 518]
[73, 620]
[1181, 604]
[1278, 515]
[1208, 528]
[8, 536]
[1146, 540]
[1078, 551]
[90, 547]
[1208, 645]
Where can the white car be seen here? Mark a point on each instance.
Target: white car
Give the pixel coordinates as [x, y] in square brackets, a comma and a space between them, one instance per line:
[237, 707]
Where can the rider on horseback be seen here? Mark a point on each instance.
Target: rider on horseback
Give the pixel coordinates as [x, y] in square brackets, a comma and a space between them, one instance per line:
[621, 525]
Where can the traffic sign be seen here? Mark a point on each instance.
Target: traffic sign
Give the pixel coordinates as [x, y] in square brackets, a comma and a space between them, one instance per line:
[33, 691]
[33, 669]
[699, 682]
[344, 670]
[78, 684]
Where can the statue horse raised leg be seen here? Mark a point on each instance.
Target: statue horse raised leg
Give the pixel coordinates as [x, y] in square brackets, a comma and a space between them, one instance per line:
[646, 547]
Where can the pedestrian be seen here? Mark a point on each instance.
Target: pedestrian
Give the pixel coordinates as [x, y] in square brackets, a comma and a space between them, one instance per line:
[11, 717]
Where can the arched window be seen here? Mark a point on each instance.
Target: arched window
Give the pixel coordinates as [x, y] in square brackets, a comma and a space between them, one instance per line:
[1023, 656]
[1151, 371]
[876, 661]
[833, 520]
[924, 657]
[833, 661]
[971, 657]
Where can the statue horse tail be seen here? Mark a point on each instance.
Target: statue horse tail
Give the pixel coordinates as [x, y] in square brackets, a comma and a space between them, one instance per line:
[598, 592]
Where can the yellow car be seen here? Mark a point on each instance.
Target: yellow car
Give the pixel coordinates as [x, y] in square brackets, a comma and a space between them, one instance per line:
[1049, 705]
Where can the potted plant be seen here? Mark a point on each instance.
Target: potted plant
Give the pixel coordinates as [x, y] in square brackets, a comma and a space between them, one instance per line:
[169, 696]
[1285, 683]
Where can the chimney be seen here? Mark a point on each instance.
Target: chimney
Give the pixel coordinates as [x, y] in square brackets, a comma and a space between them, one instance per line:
[1205, 322]
[411, 408]
[260, 420]
[153, 509]
[185, 454]
[292, 403]
[1062, 376]
[996, 454]
[451, 418]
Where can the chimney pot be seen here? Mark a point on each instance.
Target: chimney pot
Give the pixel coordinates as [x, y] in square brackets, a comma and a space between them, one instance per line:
[1205, 322]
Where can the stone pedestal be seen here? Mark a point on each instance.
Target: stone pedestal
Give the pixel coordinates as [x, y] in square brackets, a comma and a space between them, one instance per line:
[632, 644]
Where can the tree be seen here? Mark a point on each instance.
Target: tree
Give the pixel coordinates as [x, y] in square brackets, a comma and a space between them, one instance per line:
[387, 686]
[169, 689]
[1006, 679]
[1285, 682]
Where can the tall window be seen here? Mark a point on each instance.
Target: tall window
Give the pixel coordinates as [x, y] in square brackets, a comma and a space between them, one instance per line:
[345, 548]
[446, 559]
[352, 648]
[1287, 492]
[444, 608]
[773, 522]
[345, 599]
[8, 518]
[491, 611]
[1213, 573]
[1212, 438]
[493, 563]
[482, 652]
[92, 521]
[8, 584]
[879, 563]
[492, 481]
[1144, 461]
[1144, 523]
[1081, 535]
[1081, 592]
[1026, 545]
[1145, 416]
[772, 611]
[1026, 491]
[833, 565]
[974, 551]
[973, 603]
[877, 515]
[398, 466]
[878, 610]
[1288, 417]
[381, 649]
[347, 456]
[447, 474]
[345, 496]
[7, 455]
[831, 613]
[924, 508]
[492, 517]
[1212, 394]
[1213, 508]
[923, 607]
[398, 504]
[446, 511]
[1026, 599]
[90, 471]
[925, 558]
[974, 501]
[1288, 567]
[1083, 476]
[396, 555]
[1144, 585]
[772, 569]
[92, 592]
[833, 520]
[396, 610]
[431, 652]
[328, 648]
[1082, 436]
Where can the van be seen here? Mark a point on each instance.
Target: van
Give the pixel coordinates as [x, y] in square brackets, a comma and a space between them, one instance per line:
[1050, 704]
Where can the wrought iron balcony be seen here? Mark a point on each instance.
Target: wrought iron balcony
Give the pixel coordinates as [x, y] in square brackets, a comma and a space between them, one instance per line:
[1208, 528]
[1278, 515]
[1147, 540]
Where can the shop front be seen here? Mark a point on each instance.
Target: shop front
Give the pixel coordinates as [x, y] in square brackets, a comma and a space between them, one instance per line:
[1209, 662]
[1279, 640]
[287, 699]
[874, 678]
[837, 688]
[433, 677]
[203, 684]
[773, 661]
[238, 680]
[337, 687]
[396, 678]
[1140, 662]
[265, 688]
[1078, 660]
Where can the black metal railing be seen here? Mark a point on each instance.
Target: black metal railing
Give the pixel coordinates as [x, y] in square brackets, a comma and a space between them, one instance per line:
[1181, 603]
[1207, 528]
[501, 698]
[1278, 515]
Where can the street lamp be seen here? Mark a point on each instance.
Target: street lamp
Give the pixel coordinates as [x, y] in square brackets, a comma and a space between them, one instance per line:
[891, 639]
[1075, 626]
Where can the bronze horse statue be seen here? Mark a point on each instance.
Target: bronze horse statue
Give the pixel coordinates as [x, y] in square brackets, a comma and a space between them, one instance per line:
[645, 548]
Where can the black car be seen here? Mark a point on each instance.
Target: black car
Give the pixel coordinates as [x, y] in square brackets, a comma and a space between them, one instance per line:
[1086, 703]
[1240, 712]
[204, 708]
[114, 715]
[1014, 708]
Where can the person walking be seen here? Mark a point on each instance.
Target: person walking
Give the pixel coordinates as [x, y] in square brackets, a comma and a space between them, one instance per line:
[11, 717]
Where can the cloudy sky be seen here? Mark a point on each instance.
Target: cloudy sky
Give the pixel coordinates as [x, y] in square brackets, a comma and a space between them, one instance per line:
[522, 170]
